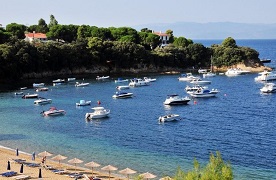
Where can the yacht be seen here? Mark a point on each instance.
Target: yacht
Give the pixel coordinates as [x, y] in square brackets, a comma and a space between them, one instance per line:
[200, 82]
[122, 95]
[175, 99]
[99, 112]
[266, 76]
[169, 117]
[236, 72]
[187, 77]
[138, 82]
[53, 112]
[204, 93]
[268, 88]
[42, 101]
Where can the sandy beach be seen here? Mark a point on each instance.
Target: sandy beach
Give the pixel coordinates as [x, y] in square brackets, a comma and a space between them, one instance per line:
[7, 154]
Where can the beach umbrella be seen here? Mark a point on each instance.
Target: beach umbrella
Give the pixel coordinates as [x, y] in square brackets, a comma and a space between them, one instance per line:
[21, 168]
[92, 164]
[39, 174]
[75, 161]
[148, 175]
[127, 171]
[33, 156]
[59, 158]
[109, 168]
[17, 152]
[45, 153]
[9, 166]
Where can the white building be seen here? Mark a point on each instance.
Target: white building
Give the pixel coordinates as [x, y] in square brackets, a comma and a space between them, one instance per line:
[30, 37]
[164, 38]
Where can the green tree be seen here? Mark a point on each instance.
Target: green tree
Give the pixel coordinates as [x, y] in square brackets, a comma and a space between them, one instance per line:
[170, 33]
[84, 31]
[229, 42]
[17, 30]
[182, 42]
[53, 21]
[4, 35]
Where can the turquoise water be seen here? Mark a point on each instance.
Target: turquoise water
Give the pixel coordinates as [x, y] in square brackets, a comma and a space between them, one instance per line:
[240, 123]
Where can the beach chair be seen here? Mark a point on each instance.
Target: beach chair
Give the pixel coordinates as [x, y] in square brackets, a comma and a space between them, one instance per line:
[9, 174]
[21, 177]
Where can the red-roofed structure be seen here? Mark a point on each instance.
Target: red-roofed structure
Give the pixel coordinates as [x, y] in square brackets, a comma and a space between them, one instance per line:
[35, 36]
[164, 38]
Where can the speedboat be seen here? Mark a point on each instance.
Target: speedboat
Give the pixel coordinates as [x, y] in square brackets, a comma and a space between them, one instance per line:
[200, 82]
[192, 89]
[99, 112]
[265, 60]
[53, 112]
[265, 76]
[187, 77]
[175, 99]
[268, 88]
[235, 72]
[208, 74]
[83, 103]
[204, 93]
[42, 101]
[138, 82]
[41, 89]
[120, 80]
[149, 79]
[122, 95]
[38, 85]
[102, 77]
[59, 81]
[202, 71]
[29, 96]
[122, 87]
[18, 93]
[169, 117]
[81, 84]
[71, 79]
[23, 88]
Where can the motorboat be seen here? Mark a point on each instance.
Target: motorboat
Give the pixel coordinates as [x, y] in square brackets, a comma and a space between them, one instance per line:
[122, 87]
[208, 74]
[175, 99]
[42, 101]
[81, 84]
[169, 117]
[204, 93]
[59, 81]
[138, 82]
[38, 85]
[23, 88]
[102, 77]
[99, 112]
[192, 89]
[202, 71]
[187, 77]
[121, 80]
[53, 111]
[265, 60]
[18, 93]
[71, 79]
[200, 82]
[122, 95]
[236, 72]
[30, 96]
[41, 89]
[83, 103]
[268, 88]
[148, 79]
[266, 76]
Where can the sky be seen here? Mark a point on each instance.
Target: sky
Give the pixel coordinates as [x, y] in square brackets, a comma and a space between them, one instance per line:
[129, 13]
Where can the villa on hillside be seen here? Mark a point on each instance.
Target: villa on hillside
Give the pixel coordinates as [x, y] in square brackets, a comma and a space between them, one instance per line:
[30, 37]
[164, 38]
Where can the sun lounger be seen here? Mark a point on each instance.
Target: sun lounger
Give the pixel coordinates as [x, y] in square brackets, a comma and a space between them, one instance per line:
[20, 161]
[75, 175]
[9, 173]
[32, 164]
[21, 177]
[60, 171]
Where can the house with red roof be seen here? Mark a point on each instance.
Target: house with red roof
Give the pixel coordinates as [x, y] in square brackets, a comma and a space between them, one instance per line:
[164, 38]
[30, 37]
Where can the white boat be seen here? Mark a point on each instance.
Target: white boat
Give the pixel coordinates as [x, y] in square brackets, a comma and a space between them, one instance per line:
[99, 112]
[169, 117]
[208, 74]
[121, 80]
[71, 79]
[53, 112]
[18, 93]
[41, 89]
[23, 88]
[265, 60]
[175, 99]
[83, 103]
[204, 93]
[38, 85]
[30, 96]
[268, 88]
[102, 77]
[200, 82]
[149, 79]
[235, 72]
[266, 76]
[138, 82]
[122, 95]
[192, 89]
[201, 71]
[81, 84]
[42, 101]
[122, 87]
[59, 81]
[187, 77]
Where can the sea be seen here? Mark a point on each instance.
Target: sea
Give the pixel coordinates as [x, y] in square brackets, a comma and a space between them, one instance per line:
[240, 123]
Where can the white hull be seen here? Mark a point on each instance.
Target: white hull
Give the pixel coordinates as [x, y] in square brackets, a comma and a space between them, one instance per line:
[200, 82]
[43, 101]
[266, 76]
[83, 103]
[30, 96]
[53, 112]
[168, 118]
[235, 72]
[138, 82]
[268, 88]
[176, 100]
[102, 78]
[38, 84]
[122, 95]
[99, 112]
[81, 84]
[204, 93]
[121, 80]
[122, 87]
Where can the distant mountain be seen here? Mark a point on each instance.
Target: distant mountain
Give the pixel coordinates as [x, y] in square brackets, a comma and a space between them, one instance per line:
[216, 30]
